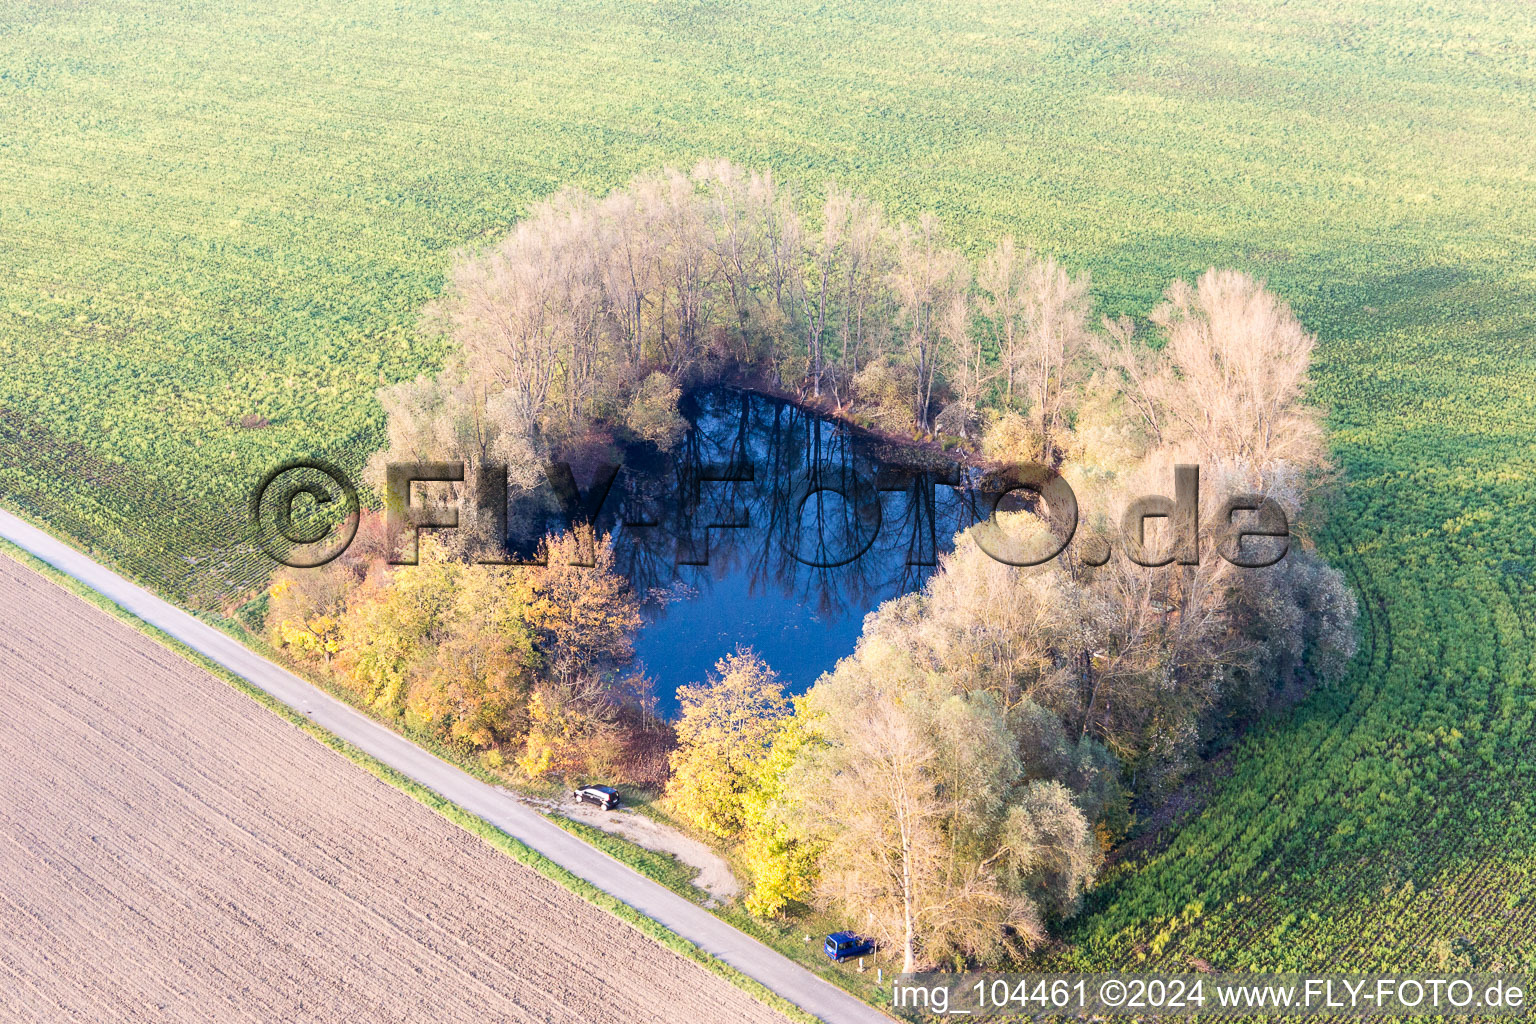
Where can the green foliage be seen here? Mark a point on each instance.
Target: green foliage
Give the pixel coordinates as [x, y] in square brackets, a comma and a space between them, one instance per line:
[253, 614]
[652, 413]
[245, 215]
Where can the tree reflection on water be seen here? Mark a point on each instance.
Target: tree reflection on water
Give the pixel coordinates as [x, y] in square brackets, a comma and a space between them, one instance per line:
[771, 526]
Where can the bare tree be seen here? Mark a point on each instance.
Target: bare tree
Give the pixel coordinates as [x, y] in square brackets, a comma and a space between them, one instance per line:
[818, 293]
[900, 830]
[1134, 372]
[867, 303]
[843, 295]
[686, 274]
[581, 315]
[1055, 310]
[1238, 359]
[630, 266]
[785, 245]
[1002, 303]
[501, 310]
[966, 366]
[926, 278]
[734, 236]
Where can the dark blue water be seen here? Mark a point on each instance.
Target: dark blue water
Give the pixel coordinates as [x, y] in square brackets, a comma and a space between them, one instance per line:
[828, 523]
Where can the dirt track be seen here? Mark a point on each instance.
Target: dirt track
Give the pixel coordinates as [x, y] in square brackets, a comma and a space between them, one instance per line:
[714, 874]
[170, 851]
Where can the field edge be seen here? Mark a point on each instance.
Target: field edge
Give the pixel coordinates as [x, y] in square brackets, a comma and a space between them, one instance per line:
[479, 827]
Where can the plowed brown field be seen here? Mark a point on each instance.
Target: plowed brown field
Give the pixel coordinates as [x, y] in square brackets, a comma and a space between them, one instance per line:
[171, 851]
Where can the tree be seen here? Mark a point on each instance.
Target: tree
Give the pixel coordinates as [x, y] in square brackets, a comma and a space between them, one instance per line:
[735, 239]
[581, 608]
[866, 318]
[725, 732]
[449, 418]
[304, 616]
[652, 412]
[780, 858]
[927, 279]
[930, 830]
[477, 681]
[1135, 373]
[1144, 661]
[1001, 299]
[1054, 309]
[393, 621]
[819, 293]
[885, 387]
[629, 265]
[1046, 847]
[754, 237]
[686, 295]
[513, 311]
[563, 735]
[844, 293]
[1011, 439]
[306, 606]
[1237, 361]
[966, 366]
[695, 276]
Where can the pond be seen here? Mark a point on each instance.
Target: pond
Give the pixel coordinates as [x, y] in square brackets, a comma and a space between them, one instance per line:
[774, 528]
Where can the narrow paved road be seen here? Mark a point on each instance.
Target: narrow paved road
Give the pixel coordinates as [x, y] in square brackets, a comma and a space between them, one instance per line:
[708, 932]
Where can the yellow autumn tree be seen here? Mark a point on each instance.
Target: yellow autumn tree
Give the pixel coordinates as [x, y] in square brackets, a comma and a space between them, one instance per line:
[393, 622]
[724, 735]
[477, 678]
[565, 737]
[317, 636]
[737, 739]
[304, 616]
[779, 857]
[582, 609]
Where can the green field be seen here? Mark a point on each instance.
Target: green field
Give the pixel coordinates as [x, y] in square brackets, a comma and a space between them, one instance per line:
[211, 211]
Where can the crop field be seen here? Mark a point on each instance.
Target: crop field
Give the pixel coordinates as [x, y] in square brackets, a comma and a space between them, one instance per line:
[219, 222]
[173, 852]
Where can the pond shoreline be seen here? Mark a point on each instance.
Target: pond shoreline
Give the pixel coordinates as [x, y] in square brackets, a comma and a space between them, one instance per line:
[797, 578]
[963, 453]
[602, 440]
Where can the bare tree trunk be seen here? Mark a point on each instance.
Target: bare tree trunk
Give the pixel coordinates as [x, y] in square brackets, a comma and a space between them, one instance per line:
[909, 923]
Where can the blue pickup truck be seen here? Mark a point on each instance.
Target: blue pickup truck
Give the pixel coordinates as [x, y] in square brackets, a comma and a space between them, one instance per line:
[842, 945]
